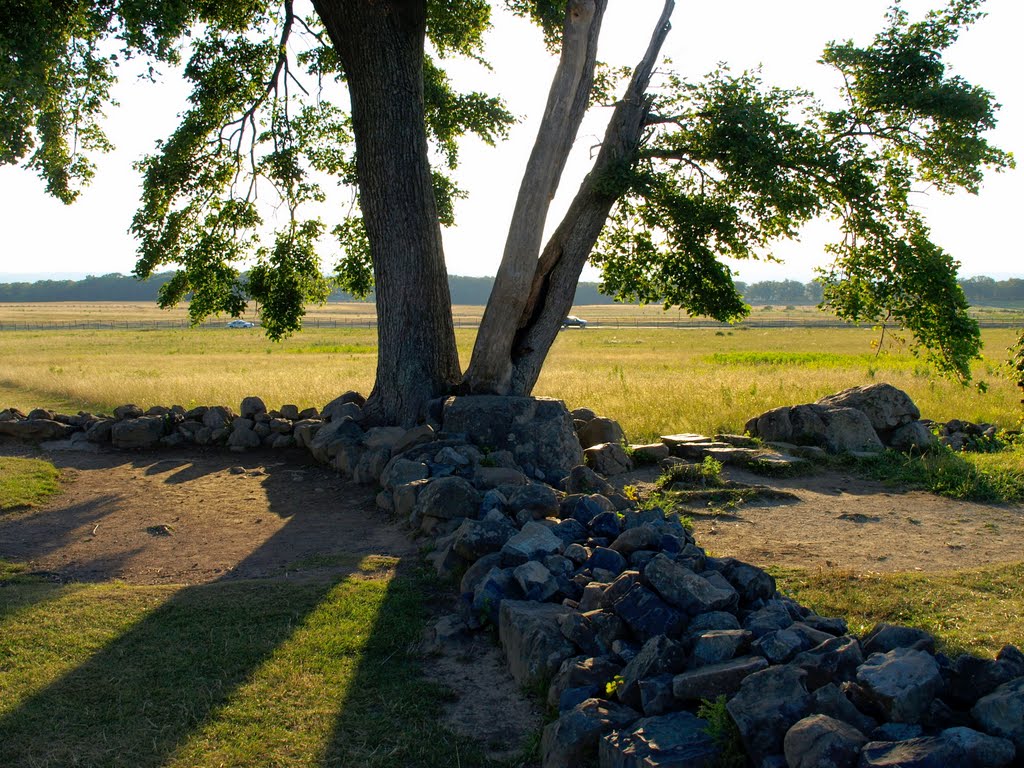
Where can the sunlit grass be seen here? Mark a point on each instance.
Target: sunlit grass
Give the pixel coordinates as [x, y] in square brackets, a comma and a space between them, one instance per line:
[302, 674]
[26, 482]
[654, 381]
[973, 611]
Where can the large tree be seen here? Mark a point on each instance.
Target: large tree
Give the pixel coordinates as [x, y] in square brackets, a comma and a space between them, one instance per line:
[355, 90]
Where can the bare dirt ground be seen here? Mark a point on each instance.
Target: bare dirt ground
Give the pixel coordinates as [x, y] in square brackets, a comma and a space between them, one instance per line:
[837, 520]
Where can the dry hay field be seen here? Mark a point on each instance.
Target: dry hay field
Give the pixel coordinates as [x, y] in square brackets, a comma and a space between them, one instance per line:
[653, 380]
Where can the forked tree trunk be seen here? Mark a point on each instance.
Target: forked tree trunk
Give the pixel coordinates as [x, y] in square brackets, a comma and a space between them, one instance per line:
[381, 46]
[490, 368]
[557, 273]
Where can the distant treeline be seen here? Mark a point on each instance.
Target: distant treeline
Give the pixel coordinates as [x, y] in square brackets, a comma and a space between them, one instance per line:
[468, 290]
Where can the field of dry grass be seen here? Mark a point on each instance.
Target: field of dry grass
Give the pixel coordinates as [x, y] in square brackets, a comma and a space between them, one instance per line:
[654, 380]
[117, 314]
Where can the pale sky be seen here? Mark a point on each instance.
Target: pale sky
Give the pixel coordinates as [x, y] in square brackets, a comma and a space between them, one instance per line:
[785, 37]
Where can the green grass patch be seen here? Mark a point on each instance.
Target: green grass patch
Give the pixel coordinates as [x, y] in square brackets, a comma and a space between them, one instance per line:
[332, 349]
[983, 477]
[26, 482]
[974, 611]
[233, 674]
[805, 359]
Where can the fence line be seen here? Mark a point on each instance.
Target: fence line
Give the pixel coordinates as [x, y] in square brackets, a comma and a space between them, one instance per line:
[463, 322]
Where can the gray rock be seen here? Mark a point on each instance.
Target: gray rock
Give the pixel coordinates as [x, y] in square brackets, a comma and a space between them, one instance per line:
[571, 740]
[685, 590]
[370, 466]
[533, 643]
[580, 671]
[643, 537]
[771, 618]
[829, 700]
[218, 417]
[535, 581]
[885, 406]
[290, 412]
[658, 656]
[447, 498]
[476, 538]
[1001, 713]
[538, 499]
[819, 740]
[769, 703]
[835, 660]
[601, 430]
[491, 593]
[717, 645]
[127, 411]
[349, 404]
[715, 680]
[914, 436]
[714, 620]
[645, 613]
[534, 542]
[779, 646]
[383, 437]
[649, 453]
[656, 697]
[328, 439]
[751, 582]
[100, 431]
[677, 740]
[487, 478]
[537, 431]
[902, 682]
[141, 432]
[887, 637]
[305, 430]
[608, 459]
[844, 430]
[583, 479]
[960, 747]
[477, 571]
[243, 439]
[252, 406]
[280, 426]
[38, 429]
[400, 471]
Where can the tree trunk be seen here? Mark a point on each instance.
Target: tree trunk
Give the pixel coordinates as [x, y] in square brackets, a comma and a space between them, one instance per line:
[490, 368]
[557, 273]
[381, 46]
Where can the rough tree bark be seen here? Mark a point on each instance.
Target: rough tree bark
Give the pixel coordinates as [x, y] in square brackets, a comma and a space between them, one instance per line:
[490, 369]
[381, 46]
[555, 275]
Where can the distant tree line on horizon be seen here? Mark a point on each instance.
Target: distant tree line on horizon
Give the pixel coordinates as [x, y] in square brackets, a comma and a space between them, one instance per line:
[471, 290]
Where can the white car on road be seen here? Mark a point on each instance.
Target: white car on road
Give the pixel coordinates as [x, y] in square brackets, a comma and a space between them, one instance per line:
[239, 323]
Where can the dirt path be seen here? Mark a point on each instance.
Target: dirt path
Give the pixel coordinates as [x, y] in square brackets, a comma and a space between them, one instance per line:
[839, 521]
[186, 517]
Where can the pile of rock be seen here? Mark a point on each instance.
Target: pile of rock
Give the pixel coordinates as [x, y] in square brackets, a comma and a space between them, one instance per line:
[861, 419]
[962, 435]
[615, 610]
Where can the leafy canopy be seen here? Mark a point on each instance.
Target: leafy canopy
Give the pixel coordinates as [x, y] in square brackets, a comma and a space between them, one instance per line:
[728, 166]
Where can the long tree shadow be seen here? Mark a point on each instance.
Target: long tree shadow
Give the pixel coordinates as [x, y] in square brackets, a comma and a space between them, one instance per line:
[168, 663]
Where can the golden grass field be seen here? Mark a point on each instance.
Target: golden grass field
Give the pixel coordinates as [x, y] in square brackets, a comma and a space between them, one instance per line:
[653, 380]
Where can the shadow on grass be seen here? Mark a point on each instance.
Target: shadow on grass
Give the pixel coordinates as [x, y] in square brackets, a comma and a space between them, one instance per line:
[293, 670]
